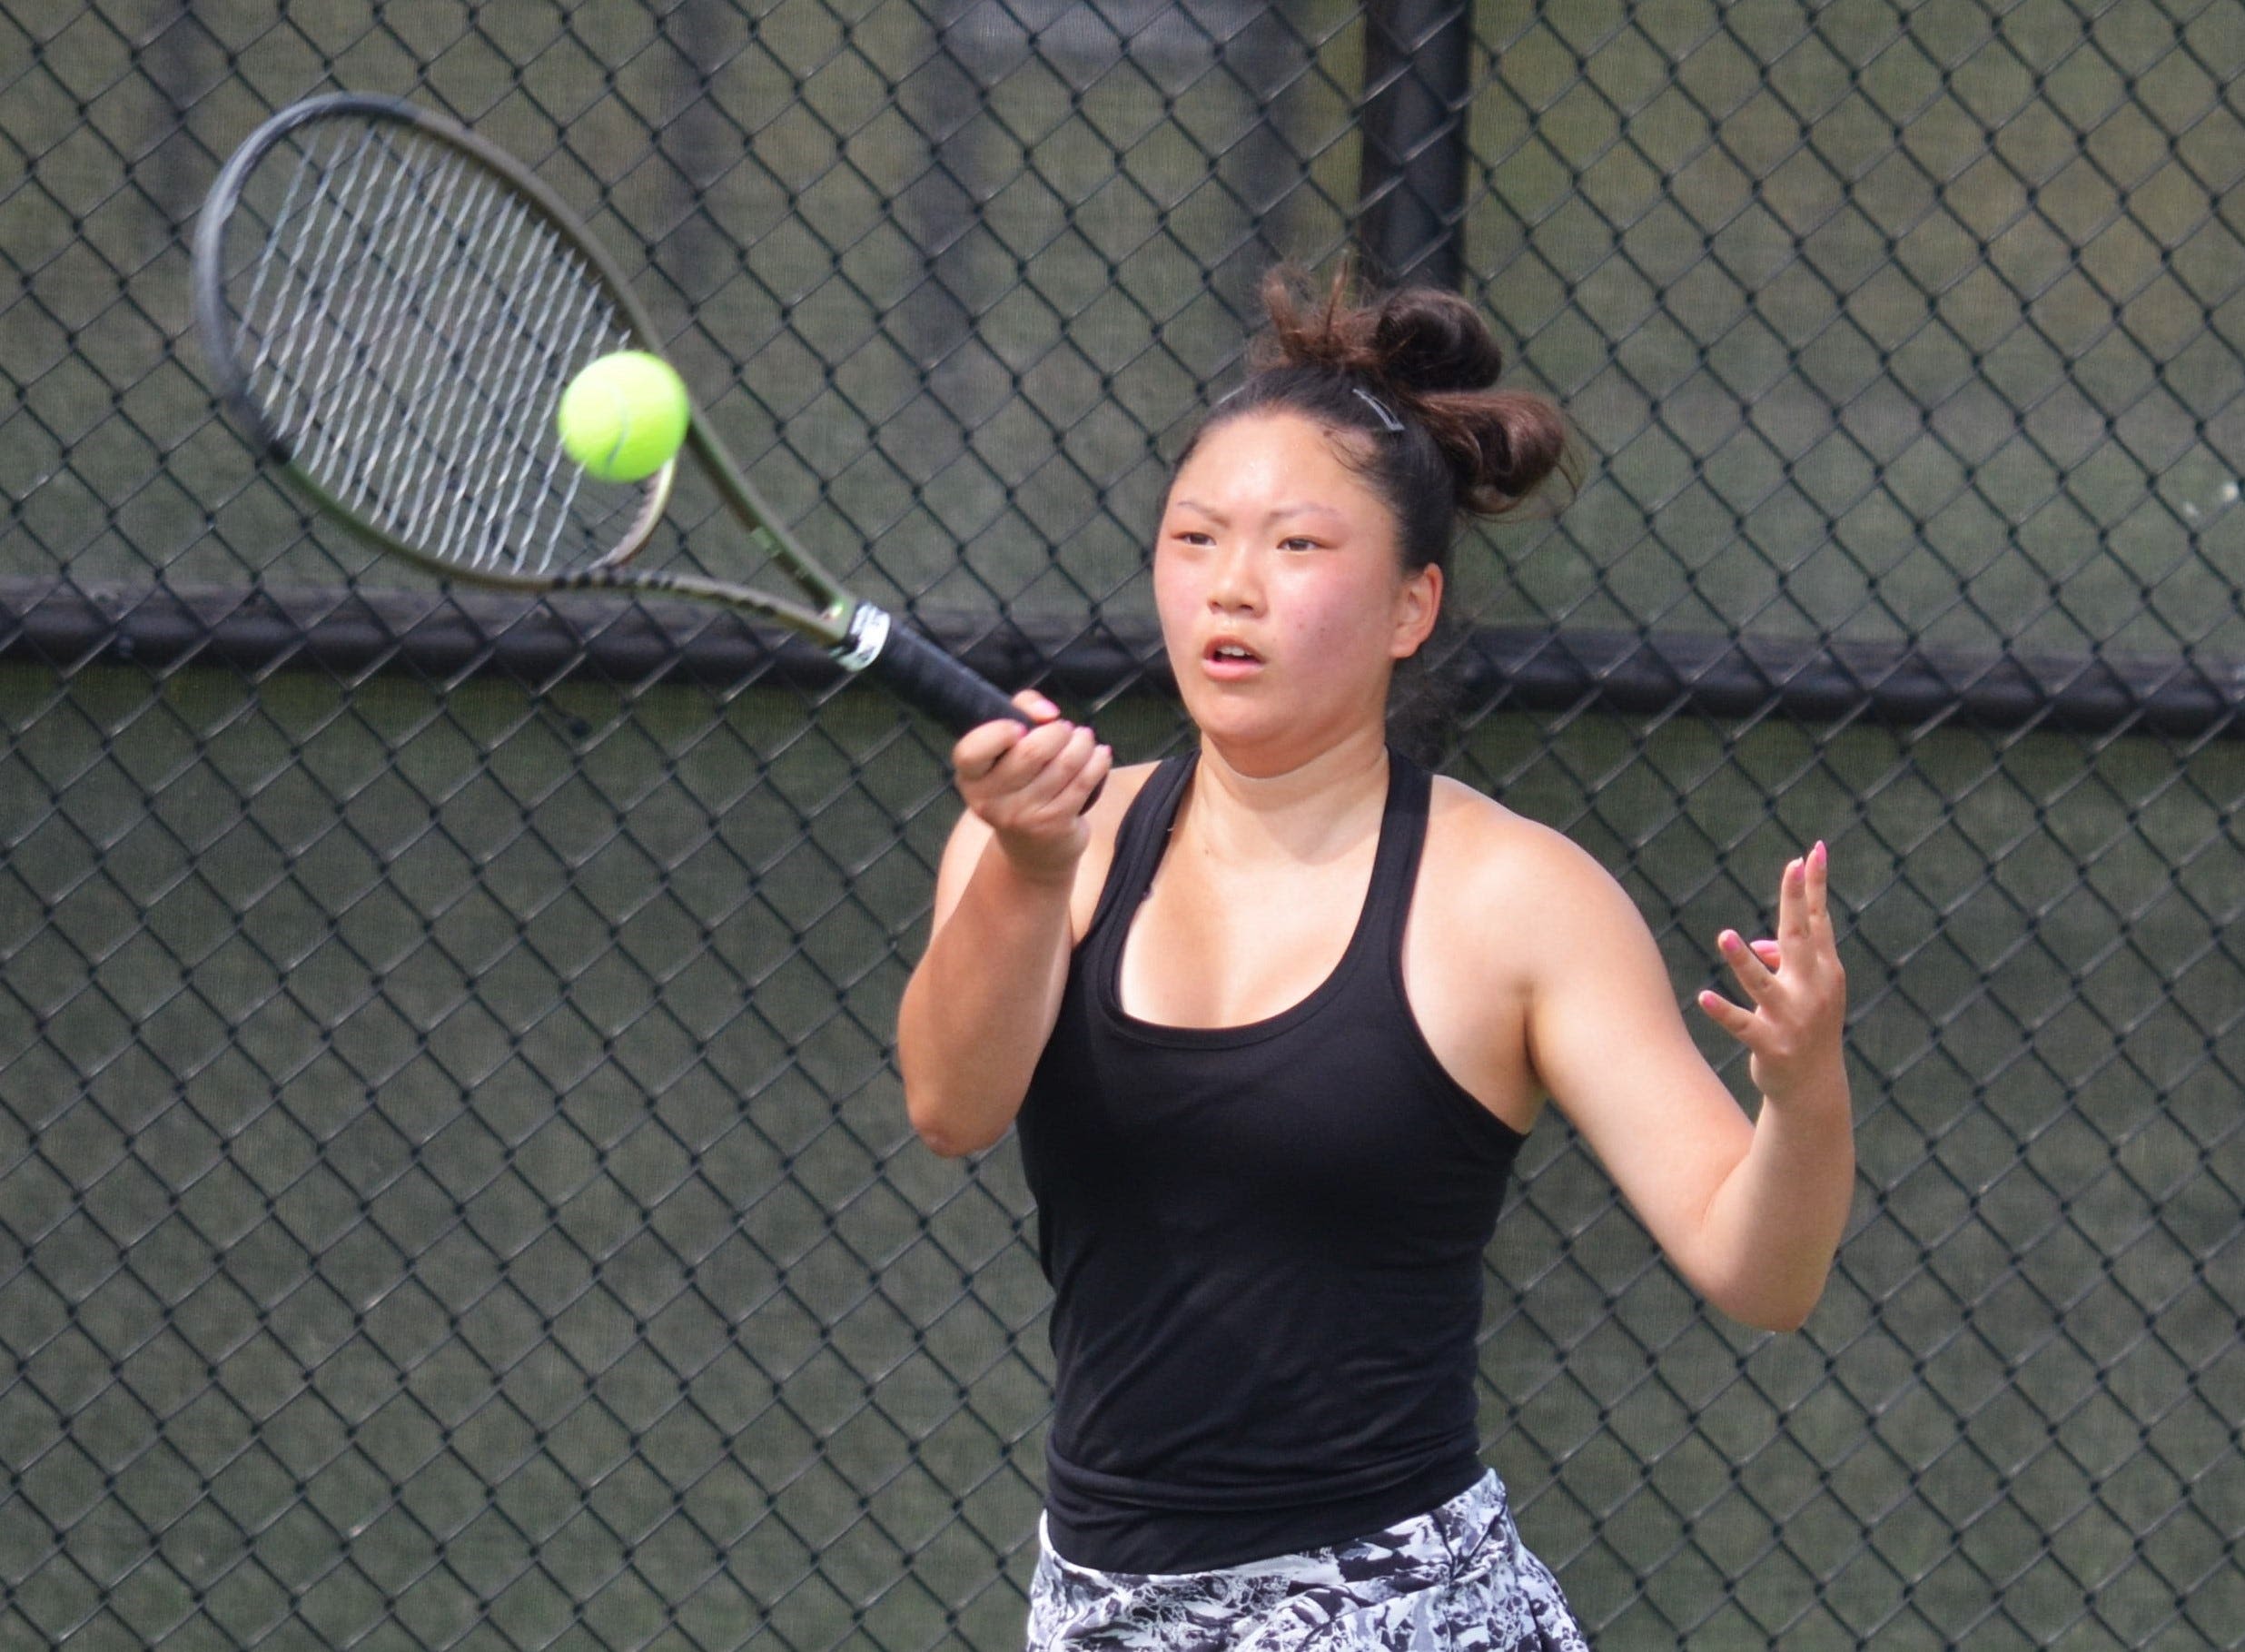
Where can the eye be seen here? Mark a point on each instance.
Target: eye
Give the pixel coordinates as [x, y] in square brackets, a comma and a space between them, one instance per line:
[1191, 536]
[1299, 541]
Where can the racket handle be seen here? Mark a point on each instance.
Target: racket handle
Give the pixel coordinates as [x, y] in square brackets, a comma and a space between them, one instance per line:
[925, 676]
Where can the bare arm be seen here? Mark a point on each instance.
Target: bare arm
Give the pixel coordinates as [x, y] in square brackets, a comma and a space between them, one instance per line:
[980, 1006]
[1751, 1211]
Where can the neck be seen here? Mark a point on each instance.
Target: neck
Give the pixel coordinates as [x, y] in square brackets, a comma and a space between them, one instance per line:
[1324, 804]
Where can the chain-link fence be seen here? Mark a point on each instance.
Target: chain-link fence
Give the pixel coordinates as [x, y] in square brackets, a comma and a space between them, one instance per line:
[453, 1185]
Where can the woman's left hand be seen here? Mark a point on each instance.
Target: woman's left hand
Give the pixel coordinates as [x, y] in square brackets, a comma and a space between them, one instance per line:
[1798, 989]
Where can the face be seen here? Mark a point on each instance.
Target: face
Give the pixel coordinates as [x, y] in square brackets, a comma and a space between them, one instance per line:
[1283, 601]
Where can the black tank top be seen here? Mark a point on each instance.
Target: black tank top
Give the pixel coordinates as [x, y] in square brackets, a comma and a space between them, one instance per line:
[1264, 1244]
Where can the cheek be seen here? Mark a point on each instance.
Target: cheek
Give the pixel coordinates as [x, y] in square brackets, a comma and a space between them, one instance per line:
[1344, 612]
[1174, 592]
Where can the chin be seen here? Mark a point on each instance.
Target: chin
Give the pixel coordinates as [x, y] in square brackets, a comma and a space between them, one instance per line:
[1237, 729]
[1262, 741]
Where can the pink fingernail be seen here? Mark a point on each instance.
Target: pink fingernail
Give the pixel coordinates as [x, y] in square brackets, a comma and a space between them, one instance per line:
[1819, 852]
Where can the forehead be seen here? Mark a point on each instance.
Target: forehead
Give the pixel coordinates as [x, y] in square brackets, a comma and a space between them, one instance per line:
[1266, 454]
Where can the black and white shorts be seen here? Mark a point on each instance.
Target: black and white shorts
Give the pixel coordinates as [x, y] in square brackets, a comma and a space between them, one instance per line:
[1456, 1578]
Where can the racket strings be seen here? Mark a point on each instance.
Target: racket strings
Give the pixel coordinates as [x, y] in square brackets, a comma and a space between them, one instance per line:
[411, 325]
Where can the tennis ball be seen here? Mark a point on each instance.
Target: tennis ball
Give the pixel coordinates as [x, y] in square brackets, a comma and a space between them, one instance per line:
[624, 417]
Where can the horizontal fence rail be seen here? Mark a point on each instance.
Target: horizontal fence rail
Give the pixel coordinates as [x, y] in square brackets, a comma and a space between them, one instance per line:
[462, 633]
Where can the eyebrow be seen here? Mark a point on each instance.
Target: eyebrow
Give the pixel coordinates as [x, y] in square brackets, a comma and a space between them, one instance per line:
[1299, 508]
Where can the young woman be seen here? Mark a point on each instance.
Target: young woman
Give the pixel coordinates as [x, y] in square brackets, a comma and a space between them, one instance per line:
[1273, 1019]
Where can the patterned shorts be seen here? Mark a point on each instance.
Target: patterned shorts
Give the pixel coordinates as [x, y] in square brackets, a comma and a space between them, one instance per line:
[1456, 1578]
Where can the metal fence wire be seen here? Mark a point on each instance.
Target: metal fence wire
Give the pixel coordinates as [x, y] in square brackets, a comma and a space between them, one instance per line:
[454, 1189]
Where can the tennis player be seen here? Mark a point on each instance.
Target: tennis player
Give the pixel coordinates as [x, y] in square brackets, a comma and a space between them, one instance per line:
[1274, 1016]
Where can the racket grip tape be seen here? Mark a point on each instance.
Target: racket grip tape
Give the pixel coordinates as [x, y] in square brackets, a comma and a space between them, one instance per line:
[926, 676]
[922, 674]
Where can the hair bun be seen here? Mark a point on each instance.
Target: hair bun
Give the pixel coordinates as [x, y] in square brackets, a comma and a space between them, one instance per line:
[1431, 351]
[1430, 341]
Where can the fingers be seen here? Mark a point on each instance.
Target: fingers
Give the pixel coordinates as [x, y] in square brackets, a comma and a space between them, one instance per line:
[1794, 1022]
[1079, 792]
[1033, 777]
[979, 750]
[1792, 903]
[1804, 894]
[1024, 764]
[1804, 909]
[1070, 755]
[1803, 922]
[1817, 879]
[1751, 973]
[1730, 1017]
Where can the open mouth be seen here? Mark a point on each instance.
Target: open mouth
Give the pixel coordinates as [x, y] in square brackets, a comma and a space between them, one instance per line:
[1225, 657]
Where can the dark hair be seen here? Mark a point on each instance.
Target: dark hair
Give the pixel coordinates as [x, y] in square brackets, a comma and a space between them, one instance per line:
[1411, 373]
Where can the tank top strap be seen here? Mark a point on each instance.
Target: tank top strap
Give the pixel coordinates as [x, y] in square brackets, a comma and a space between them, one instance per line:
[1395, 867]
[1141, 840]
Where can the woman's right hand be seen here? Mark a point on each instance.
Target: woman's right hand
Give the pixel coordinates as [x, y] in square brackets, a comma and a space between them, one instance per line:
[1030, 784]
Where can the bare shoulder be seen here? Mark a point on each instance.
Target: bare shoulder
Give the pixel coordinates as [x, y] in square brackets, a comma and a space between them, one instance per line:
[1499, 879]
[1479, 846]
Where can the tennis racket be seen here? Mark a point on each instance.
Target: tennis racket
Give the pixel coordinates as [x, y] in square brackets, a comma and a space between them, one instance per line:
[392, 306]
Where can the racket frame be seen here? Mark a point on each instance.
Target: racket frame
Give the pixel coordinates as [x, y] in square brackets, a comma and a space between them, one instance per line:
[852, 630]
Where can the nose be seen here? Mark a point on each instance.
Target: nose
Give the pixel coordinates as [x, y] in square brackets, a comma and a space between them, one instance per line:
[1235, 581]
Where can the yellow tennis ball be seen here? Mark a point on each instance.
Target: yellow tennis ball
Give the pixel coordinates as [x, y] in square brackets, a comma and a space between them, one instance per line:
[624, 417]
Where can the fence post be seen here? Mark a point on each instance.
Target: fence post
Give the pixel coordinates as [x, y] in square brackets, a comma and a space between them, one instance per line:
[1411, 188]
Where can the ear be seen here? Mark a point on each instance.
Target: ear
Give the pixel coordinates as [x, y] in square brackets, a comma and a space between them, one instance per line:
[1417, 604]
